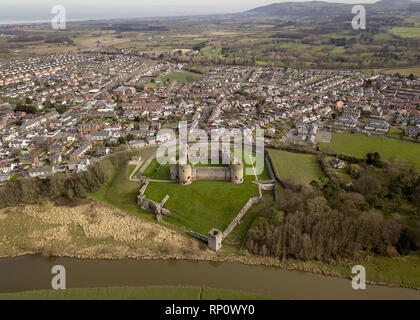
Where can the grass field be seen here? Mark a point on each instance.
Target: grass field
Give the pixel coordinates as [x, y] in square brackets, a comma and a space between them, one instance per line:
[162, 172]
[359, 145]
[302, 167]
[404, 71]
[134, 293]
[406, 32]
[203, 205]
[184, 76]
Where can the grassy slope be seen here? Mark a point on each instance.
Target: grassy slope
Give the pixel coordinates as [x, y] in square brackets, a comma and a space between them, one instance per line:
[134, 293]
[359, 145]
[302, 167]
[122, 193]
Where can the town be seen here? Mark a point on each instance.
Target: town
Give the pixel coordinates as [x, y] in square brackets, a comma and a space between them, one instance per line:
[62, 112]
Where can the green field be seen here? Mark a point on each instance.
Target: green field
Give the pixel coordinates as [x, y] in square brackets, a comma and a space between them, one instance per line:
[134, 293]
[359, 145]
[406, 32]
[404, 71]
[157, 171]
[184, 76]
[203, 205]
[301, 167]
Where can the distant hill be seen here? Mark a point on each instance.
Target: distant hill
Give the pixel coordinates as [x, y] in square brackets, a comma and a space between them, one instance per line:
[324, 9]
[393, 3]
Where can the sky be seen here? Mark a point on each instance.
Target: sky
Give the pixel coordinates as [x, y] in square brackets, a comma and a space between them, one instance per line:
[27, 10]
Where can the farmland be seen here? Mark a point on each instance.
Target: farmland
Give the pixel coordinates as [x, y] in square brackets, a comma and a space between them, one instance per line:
[359, 145]
[264, 41]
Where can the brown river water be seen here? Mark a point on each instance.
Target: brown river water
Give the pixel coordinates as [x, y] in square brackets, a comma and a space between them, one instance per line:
[34, 273]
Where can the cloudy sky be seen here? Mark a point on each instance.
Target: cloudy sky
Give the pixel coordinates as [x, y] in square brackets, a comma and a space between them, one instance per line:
[15, 10]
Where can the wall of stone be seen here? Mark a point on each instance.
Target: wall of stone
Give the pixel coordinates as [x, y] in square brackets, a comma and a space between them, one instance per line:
[144, 187]
[144, 166]
[165, 212]
[272, 176]
[276, 193]
[212, 173]
[198, 236]
[269, 167]
[267, 186]
[147, 204]
[240, 215]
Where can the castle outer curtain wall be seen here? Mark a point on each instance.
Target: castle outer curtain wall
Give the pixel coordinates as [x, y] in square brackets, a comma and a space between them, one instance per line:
[187, 173]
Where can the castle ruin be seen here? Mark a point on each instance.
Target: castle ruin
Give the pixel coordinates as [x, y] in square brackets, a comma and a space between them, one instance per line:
[185, 174]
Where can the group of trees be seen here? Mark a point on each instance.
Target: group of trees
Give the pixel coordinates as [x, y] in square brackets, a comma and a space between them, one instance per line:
[46, 39]
[396, 182]
[28, 107]
[324, 234]
[327, 221]
[32, 190]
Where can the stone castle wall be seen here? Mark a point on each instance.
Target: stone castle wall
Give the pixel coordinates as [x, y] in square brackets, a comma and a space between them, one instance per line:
[240, 215]
[198, 236]
[187, 173]
[144, 166]
[211, 173]
[150, 205]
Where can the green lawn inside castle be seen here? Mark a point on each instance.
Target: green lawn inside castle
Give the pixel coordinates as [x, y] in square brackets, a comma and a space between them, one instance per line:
[202, 204]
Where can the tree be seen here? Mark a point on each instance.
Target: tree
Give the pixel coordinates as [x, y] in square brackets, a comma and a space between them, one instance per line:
[374, 159]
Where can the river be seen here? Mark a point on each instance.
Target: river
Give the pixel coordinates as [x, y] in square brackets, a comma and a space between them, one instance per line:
[34, 273]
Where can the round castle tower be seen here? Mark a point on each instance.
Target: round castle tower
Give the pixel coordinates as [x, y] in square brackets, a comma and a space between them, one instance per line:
[237, 173]
[185, 173]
